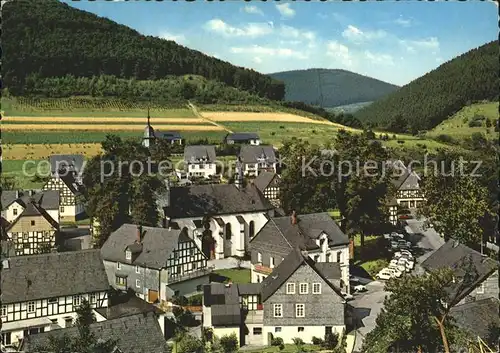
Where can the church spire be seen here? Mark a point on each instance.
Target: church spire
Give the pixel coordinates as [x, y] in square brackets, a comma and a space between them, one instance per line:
[149, 118]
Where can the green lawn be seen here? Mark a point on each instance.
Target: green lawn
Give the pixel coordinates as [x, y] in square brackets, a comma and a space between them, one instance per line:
[289, 348]
[457, 126]
[23, 176]
[234, 274]
[374, 256]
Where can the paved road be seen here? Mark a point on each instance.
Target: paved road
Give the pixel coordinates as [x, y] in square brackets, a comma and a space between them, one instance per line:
[426, 239]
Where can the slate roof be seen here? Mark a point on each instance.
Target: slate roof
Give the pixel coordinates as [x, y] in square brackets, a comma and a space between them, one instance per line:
[195, 153]
[456, 256]
[285, 269]
[72, 162]
[329, 270]
[71, 182]
[157, 245]
[251, 154]
[126, 305]
[224, 301]
[51, 275]
[283, 236]
[134, 334]
[477, 317]
[168, 135]
[47, 199]
[242, 136]
[264, 179]
[32, 209]
[215, 199]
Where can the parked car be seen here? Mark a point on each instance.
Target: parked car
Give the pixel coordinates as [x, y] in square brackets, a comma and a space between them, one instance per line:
[404, 243]
[387, 273]
[400, 268]
[407, 262]
[394, 245]
[360, 288]
[397, 273]
[403, 252]
[397, 235]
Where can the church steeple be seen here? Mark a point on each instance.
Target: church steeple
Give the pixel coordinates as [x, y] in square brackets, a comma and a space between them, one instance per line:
[149, 133]
[149, 118]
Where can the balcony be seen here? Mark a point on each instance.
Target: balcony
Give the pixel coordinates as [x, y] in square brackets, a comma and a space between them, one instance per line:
[263, 269]
[174, 278]
[254, 316]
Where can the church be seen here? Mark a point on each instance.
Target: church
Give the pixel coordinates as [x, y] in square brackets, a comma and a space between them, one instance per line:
[150, 135]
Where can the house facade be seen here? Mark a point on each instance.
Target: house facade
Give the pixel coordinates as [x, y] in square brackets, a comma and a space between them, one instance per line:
[406, 182]
[66, 178]
[269, 184]
[200, 161]
[33, 231]
[257, 159]
[221, 219]
[156, 263]
[14, 202]
[316, 233]
[296, 300]
[41, 292]
[249, 138]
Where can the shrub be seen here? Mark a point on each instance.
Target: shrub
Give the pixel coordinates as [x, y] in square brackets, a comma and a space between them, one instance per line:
[298, 341]
[401, 142]
[331, 341]
[273, 133]
[277, 341]
[229, 343]
[317, 341]
[488, 123]
[282, 126]
[179, 300]
[465, 120]
[195, 300]
[444, 138]
[475, 123]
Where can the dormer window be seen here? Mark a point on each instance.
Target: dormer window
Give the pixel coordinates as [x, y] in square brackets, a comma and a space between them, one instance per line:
[128, 255]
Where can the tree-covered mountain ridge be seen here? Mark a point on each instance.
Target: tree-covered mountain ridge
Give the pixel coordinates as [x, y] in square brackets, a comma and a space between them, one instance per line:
[427, 101]
[52, 39]
[330, 88]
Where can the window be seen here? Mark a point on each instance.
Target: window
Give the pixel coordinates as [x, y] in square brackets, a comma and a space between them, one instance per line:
[304, 288]
[316, 258]
[121, 281]
[290, 288]
[259, 257]
[299, 310]
[480, 289]
[62, 208]
[328, 330]
[128, 255]
[32, 223]
[278, 310]
[277, 329]
[339, 256]
[316, 288]
[76, 300]
[6, 338]
[31, 307]
[53, 300]
[14, 211]
[328, 257]
[176, 293]
[93, 298]
[271, 262]
[195, 265]
[138, 283]
[118, 266]
[4, 310]
[257, 330]
[137, 269]
[300, 329]
[251, 229]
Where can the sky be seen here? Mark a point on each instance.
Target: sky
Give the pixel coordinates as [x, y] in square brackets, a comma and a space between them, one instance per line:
[396, 42]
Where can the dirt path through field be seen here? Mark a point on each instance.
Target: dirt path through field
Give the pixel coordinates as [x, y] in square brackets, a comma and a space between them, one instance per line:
[196, 113]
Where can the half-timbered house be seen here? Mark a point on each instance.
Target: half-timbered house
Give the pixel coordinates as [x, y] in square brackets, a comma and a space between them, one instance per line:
[406, 182]
[156, 263]
[66, 174]
[41, 292]
[33, 231]
[14, 202]
[269, 184]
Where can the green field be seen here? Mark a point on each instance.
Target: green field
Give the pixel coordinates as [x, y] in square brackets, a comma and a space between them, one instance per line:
[24, 179]
[457, 126]
[235, 275]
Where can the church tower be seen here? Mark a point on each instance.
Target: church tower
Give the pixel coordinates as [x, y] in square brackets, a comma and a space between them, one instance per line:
[149, 134]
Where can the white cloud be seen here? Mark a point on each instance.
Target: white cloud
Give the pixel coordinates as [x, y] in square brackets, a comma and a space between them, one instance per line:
[403, 22]
[257, 60]
[412, 46]
[269, 51]
[285, 10]
[178, 38]
[249, 30]
[439, 59]
[254, 10]
[358, 36]
[292, 32]
[379, 58]
[340, 52]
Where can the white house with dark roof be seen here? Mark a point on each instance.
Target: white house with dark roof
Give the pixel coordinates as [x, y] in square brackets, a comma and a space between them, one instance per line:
[66, 177]
[316, 233]
[156, 263]
[41, 292]
[33, 231]
[14, 202]
[296, 300]
[407, 184]
[200, 161]
[257, 159]
[250, 138]
[132, 333]
[220, 218]
[269, 183]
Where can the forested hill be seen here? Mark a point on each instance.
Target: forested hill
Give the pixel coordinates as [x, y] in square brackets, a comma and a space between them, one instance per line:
[52, 39]
[331, 88]
[424, 103]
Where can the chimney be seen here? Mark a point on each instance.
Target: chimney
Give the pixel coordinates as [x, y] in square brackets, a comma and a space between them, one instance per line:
[294, 217]
[139, 234]
[17, 194]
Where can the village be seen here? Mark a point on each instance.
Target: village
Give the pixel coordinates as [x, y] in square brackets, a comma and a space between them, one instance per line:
[224, 259]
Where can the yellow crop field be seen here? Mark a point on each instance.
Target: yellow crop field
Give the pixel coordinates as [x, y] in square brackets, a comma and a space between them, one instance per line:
[107, 127]
[97, 120]
[268, 117]
[43, 151]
